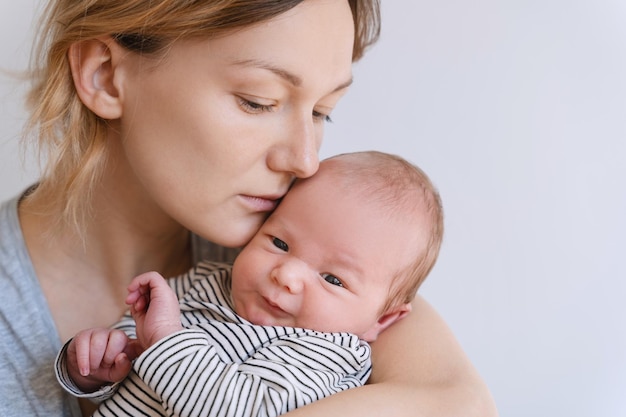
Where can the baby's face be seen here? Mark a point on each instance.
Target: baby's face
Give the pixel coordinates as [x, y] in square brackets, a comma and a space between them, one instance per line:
[324, 260]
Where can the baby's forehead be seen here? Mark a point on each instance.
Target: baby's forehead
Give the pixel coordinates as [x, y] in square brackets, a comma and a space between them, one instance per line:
[328, 177]
[376, 183]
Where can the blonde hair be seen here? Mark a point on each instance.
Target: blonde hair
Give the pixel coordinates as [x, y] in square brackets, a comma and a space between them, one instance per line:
[67, 133]
[402, 189]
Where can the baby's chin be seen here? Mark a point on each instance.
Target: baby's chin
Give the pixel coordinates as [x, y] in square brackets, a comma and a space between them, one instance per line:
[259, 319]
[257, 315]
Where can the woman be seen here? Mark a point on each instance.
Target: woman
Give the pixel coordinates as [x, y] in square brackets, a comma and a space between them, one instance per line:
[170, 116]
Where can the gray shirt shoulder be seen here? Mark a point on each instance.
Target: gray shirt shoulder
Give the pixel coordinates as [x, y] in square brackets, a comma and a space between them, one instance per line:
[28, 337]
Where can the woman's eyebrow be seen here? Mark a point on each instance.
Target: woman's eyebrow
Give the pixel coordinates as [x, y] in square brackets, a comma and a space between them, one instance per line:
[282, 73]
[344, 85]
[290, 77]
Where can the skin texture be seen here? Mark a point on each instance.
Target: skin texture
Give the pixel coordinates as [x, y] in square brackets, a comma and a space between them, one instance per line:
[177, 163]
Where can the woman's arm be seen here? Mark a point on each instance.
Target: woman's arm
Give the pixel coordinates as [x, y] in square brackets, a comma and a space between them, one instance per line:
[420, 370]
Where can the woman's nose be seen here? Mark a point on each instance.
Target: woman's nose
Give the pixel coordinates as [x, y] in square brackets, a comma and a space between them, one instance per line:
[297, 152]
[291, 275]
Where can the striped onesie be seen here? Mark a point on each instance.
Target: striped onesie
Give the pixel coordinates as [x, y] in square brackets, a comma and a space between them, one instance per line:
[223, 365]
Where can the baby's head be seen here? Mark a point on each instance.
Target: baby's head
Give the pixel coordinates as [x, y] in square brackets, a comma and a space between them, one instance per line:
[346, 250]
[404, 194]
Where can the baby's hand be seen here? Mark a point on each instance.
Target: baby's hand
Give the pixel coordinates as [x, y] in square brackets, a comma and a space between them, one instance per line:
[154, 307]
[98, 357]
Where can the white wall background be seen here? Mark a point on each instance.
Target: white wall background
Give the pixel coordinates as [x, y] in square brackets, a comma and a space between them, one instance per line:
[517, 110]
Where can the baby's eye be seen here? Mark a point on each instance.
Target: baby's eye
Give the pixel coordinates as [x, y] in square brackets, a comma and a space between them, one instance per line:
[280, 244]
[331, 279]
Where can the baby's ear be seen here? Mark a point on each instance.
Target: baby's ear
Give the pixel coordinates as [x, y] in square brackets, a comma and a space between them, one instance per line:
[93, 64]
[386, 320]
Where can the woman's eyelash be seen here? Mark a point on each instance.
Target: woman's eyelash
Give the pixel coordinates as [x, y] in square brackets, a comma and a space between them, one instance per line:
[252, 107]
[321, 116]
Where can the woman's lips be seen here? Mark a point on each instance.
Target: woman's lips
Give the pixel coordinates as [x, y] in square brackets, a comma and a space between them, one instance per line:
[261, 204]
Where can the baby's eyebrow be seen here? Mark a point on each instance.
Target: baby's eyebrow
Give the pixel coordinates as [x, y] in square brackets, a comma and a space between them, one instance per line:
[347, 261]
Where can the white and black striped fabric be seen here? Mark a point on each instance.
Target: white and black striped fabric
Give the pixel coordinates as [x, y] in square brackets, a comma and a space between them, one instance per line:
[222, 365]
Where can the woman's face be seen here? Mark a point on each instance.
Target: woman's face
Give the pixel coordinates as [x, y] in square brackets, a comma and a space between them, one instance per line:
[214, 133]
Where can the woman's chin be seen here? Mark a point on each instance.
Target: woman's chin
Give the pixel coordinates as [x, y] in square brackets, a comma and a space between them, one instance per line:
[236, 235]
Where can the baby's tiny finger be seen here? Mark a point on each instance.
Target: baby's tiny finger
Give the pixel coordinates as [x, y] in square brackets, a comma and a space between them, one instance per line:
[97, 349]
[116, 343]
[81, 344]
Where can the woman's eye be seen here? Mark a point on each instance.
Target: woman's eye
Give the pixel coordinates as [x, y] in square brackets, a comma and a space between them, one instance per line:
[253, 107]
[322, 117]
[280, 244]
[331, 279]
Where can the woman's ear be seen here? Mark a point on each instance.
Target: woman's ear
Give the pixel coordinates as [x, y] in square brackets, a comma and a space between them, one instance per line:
[386, 320]
[93, 64]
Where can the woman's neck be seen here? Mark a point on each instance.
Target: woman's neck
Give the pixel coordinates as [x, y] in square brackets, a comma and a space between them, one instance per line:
[124, 234]
[84, 274]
